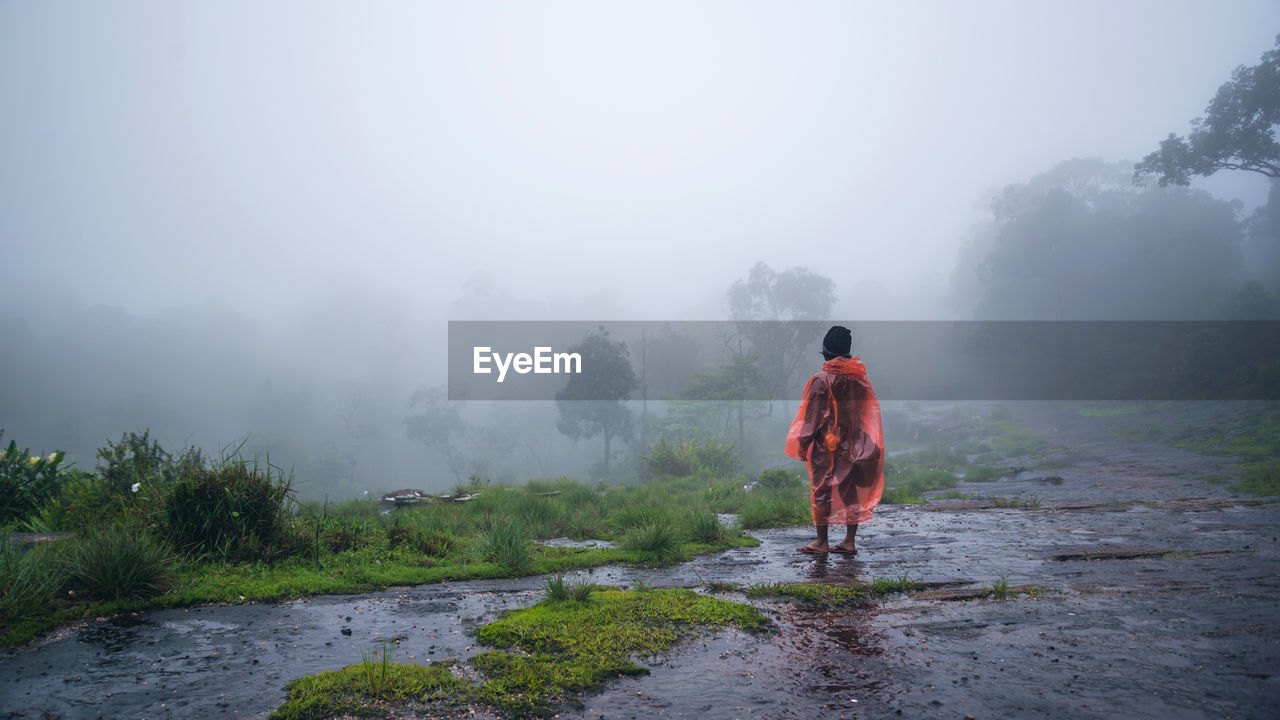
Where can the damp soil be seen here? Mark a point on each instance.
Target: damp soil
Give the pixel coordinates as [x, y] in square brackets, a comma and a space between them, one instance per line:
[1135, 589]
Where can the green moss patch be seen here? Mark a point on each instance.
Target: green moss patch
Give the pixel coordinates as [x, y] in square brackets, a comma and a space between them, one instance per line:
[349, 691]
[1261, 479]
[544, 656]
[554, 650]
[836, 595]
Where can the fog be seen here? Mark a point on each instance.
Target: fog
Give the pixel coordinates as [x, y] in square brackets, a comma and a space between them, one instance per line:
[229, 220]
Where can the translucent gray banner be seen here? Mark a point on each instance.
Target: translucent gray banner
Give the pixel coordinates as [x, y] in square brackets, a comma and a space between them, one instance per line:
[766, 360]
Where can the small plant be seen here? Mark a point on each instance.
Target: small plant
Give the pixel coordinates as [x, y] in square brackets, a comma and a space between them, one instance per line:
[1000, 589]
[982, 473]
[900, 496]
[116, 563]
[580, 591]
[1030, 501]
[887, 585]
[375, 665]
[27, 580]
[705, 527]
[657, 541]
[505, 543]
[710, 456]
[780, 480]
[556, 588]
[773, 508]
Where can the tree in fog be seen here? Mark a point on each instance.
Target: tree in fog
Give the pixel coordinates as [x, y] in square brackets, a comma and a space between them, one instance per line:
[1237, 132]
[774, 313]
[440, 426]
[1082, 242]
[591, 403]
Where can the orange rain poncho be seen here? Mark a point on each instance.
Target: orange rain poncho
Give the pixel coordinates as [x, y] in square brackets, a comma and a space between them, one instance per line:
[846, 482]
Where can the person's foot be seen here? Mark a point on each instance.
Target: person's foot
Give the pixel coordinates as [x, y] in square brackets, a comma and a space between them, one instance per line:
[814, 548]
[844, 548]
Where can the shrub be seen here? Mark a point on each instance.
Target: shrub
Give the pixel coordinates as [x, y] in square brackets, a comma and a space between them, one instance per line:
[772, 508]
[560, 591]
[343, 535]
[234, 510]
[28, 481]
[139, 459]
[705, 527]
[780, 480]
[115, 563]
[81, 502]
[431, 542]
[726, 498]
[900, 496]
[982, 474]
[27, 580]
[691, 457]
[506, 544]
[656, 541]
[556, 588]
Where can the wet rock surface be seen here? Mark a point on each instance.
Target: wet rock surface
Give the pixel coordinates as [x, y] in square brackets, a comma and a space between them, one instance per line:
[1156, 595]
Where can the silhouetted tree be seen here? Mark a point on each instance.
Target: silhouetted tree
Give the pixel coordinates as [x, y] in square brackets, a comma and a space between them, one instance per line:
[591, 403]
[1237, 131]
[774, 312]
[1082, 242]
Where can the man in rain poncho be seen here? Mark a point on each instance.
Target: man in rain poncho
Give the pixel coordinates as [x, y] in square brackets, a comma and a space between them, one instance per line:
[837, 433]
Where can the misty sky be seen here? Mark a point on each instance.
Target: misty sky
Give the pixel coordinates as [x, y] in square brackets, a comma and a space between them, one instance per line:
[639, 156]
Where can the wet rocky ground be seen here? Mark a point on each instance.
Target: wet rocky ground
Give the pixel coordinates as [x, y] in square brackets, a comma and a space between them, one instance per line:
[1155, 596]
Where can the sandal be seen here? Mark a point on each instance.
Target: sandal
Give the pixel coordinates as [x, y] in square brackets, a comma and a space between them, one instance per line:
[810, 551]
[842, 551]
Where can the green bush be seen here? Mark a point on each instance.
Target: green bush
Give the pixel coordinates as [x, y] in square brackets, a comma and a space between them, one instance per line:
[82, 501]
[343, 535]
[900, 496]
[114, 562]
[772, 508]
[27, 580]
[28, 481]
[704, 527]
[234, 510]
[431, 542]
[658, 541]
[691, 457]
[506, 544]
[139, 459]
[982, 473]
[780, 480]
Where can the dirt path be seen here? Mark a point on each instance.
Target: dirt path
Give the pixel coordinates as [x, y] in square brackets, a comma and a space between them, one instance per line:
[1159, 599]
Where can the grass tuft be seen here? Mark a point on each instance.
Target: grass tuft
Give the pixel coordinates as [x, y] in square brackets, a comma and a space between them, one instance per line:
[116, 563]
[657, 542]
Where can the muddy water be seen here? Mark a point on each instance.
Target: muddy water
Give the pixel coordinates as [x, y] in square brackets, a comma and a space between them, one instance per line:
[1162, 610]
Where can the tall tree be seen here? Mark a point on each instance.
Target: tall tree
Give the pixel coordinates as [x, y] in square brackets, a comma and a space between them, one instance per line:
[774, 313]
[591, 403]
[1082, 242]
[1237, 132]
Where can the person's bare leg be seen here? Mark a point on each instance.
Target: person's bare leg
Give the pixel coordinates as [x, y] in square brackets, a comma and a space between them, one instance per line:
[851, 530]
[820, 544]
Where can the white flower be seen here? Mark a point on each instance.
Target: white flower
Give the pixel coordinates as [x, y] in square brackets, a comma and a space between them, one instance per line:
[134, 487]
[34, 460]
[51, 455]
